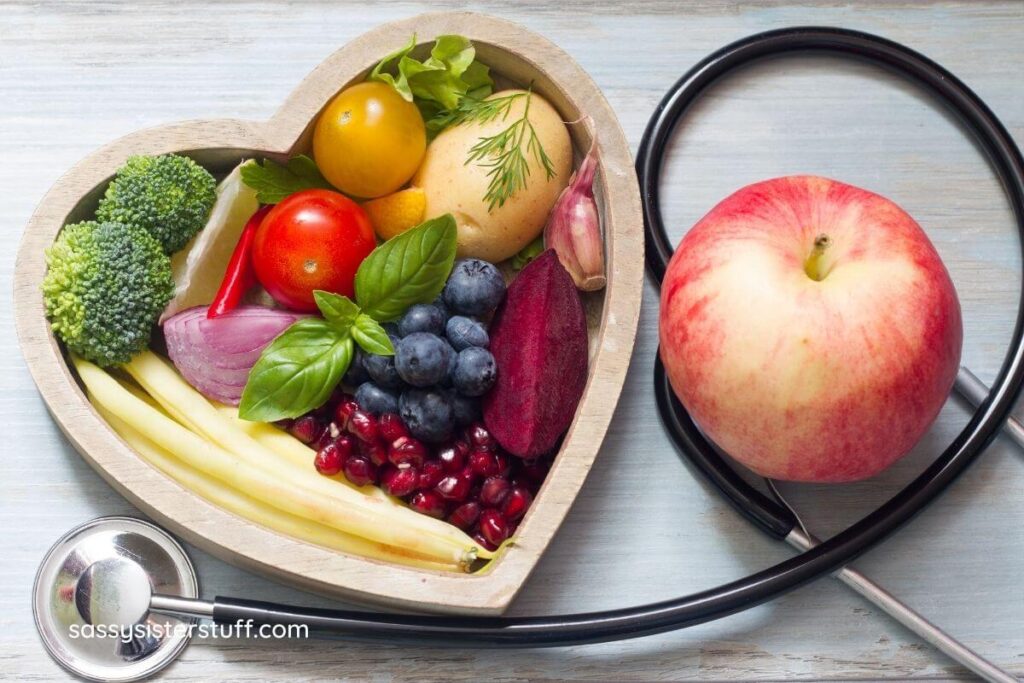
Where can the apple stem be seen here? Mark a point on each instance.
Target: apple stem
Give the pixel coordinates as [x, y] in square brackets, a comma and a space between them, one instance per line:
[816, 266]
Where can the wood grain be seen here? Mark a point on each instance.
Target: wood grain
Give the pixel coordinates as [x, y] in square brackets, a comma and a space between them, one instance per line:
[76, 75]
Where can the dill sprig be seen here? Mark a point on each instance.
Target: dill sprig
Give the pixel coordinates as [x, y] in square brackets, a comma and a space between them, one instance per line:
[503, 154]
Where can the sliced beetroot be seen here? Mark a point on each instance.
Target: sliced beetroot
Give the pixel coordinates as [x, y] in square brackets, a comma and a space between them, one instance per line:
[539, 340]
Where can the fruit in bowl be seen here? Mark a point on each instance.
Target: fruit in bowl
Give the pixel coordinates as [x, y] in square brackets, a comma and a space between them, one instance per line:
[810, 328]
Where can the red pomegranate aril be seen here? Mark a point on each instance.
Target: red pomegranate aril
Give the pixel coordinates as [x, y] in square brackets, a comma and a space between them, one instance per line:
[454, 487]
[516, 503]
[479, 437]
[451, 459]
[428, 503]
[344, 410]
[399, 481]
[430, 474]
[465, 515]
[462, 446]
[328, 460]
[483, 463]
[346, 444]
[306, 429]
[391, 427]
[494, 491]
[360, 471]
[375, 451]
[536, 470]
[407, 451]
[483, 542]
[504, 466]
[493, 527]
[363, 425]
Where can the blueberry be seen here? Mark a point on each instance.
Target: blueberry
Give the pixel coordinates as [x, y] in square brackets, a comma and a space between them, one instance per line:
[465, 409]
[442, 306]
[475, 287]
[373, 399]
[463, 332]
[422, 318]
[356, 373]
[392, 330]
[381, 369]
[427, 414]
[475, 372]
[453, 358]
[421, 359]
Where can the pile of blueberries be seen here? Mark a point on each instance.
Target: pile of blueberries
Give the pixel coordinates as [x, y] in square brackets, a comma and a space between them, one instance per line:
[441, 365]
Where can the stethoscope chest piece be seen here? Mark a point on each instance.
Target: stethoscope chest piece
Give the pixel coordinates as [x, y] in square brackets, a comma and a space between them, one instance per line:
[92, 593]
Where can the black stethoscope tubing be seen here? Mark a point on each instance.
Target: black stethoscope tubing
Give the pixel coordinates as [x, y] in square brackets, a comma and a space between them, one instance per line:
[830, 555]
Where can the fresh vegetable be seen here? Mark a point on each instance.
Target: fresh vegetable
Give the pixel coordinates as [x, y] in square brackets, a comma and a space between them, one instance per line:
[239, 277]
[273, 182]
[574, 228]
[498, 175]
[369, 140]
[539, 341]
[170, 196]
[439, 84]
[104, 289]
[395, 213]
[198, 268]
[314, 239]
[210, 442]
[216, 355]
[528, 253]
[301, 368]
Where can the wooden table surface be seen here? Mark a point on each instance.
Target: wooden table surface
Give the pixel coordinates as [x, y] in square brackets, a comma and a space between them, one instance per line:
[74, 75]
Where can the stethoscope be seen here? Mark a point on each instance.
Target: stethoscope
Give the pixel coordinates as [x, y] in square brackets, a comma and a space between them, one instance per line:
[120, 570]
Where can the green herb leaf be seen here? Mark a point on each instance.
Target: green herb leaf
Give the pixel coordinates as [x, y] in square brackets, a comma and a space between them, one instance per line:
[297, 372]
[439, 83]
[274, 182]
[339, 310]
[368, 333]
[408, 269]
[528, 253]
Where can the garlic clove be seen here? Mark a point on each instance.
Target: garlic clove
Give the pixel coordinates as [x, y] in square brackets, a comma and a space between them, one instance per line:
[573, 229]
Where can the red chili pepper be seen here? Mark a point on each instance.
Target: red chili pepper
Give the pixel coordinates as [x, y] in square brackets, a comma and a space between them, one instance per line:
[239, 276]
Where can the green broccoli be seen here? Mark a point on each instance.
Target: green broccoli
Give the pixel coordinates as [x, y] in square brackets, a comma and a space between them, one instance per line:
[170, 196]
[105, 287]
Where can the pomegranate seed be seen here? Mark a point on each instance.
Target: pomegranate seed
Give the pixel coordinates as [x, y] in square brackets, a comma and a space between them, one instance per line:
[430, 474]
[504, 466]
[465, 515]
[462, 446]
[479, 437]
[407, 451]
[479, 538]
[328, 460]
[453, 487]
[391, 427]
[360, 471]
[451, 459]
[516, 503]
[493, 527]
[340, 396]
[346, 407]
[483, 463]
[346, 444]
[428, 503]
[306, 429]
[536, 469]
[399, 481]
[375, 451]
[494, 490]
[363, 425]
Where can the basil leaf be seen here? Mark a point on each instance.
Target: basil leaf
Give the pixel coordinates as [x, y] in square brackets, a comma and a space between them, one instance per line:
[297, 372]
[339, 310]
[274, 182]
[408, 269]
[368, 333]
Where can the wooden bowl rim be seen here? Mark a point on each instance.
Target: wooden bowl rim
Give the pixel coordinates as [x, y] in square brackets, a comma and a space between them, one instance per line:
[267, 552]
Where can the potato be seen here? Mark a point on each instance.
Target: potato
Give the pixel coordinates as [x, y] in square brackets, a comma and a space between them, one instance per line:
[453, 186]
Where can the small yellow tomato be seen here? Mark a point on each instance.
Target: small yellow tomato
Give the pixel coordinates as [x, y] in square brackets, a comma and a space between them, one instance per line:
[369, 141]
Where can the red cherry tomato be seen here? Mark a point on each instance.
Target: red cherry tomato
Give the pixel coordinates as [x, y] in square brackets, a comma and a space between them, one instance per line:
[314, 239]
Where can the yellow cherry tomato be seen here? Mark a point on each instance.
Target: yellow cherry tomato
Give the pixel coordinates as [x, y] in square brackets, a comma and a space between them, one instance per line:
[369, 141]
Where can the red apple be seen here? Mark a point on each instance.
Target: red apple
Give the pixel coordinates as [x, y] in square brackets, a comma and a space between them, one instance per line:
[810, 329]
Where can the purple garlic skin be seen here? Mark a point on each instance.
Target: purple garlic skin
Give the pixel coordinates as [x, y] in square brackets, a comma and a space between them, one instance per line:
[573, 229]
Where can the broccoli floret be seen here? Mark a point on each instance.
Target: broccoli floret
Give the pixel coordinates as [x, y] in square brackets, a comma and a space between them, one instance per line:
[105, 288]
[170, 196]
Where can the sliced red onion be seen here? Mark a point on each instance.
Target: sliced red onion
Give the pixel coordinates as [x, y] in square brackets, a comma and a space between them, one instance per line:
[215, 356]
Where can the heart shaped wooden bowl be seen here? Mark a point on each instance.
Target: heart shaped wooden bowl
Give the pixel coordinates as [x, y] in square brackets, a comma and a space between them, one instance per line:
[515, 55]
